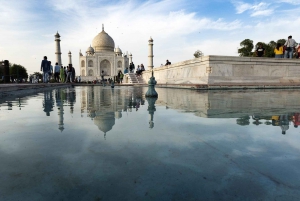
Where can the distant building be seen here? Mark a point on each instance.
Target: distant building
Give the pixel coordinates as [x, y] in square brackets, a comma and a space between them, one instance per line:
[102, 56]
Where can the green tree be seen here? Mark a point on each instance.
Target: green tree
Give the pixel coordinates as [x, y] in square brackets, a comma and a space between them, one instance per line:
[281, 41]
[246, 48]
[38, 74]
[18, 71]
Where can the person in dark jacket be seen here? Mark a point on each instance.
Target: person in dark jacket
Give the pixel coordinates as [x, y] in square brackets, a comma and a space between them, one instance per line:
[45, 68]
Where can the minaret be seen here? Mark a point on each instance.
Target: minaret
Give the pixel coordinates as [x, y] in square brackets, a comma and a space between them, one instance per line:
[57, 48]
[150, 61]
[70, 57]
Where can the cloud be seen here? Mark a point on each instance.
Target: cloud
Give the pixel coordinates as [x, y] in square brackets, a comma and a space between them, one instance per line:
[256, 9]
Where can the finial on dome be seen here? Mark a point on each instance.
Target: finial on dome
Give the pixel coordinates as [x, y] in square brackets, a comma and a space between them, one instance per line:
[102, 27]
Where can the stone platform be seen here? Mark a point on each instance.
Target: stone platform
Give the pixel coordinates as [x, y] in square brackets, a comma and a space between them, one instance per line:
[220, 71]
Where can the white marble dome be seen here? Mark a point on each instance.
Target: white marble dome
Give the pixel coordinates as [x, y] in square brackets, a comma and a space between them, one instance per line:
[103, 42]
[118, 50]
[90, 50]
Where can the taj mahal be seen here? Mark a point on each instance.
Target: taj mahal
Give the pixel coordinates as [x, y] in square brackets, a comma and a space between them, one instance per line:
[102, 56]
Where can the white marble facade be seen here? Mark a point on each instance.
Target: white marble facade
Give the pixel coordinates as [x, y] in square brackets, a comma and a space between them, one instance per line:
[226, 70]
[102, 56]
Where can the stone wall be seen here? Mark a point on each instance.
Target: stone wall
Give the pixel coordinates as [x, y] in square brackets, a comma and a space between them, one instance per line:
[222, 70]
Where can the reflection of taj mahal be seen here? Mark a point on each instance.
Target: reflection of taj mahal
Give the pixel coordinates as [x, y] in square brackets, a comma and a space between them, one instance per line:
[102, 56]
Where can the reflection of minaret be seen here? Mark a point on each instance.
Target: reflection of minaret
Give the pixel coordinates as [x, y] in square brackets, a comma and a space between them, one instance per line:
[60, 108]
[151, 109]
[57, 48]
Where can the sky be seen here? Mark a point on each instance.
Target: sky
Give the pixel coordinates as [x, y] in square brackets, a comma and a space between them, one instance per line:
[178, 27]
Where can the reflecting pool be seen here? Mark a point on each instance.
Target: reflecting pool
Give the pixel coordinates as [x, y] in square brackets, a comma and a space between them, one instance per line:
[98, 143]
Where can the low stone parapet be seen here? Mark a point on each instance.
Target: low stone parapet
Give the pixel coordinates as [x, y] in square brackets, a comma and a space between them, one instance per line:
[214, 70]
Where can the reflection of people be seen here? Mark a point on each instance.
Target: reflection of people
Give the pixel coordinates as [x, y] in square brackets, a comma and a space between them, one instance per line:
[48, 102]
[296, 120]
[284, 123]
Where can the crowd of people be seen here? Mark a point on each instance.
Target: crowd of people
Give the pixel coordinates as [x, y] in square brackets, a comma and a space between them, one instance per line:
[60, 74]
[287, 50]
[138, 71]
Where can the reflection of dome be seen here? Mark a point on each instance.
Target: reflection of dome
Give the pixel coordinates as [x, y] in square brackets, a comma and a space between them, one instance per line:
[90, 50]
[103, 42]
[118, 115]
[105, 121]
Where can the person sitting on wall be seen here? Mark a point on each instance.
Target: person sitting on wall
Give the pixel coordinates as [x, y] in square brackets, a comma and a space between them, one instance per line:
[142, 68]
[260, 51]
[278, 51]
[138, 70]
[168, 63]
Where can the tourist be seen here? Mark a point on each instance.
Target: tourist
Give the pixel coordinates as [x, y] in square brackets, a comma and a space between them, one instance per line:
[168, 63]
[278, 51]
[121, 77]
[260, 51]
[45, 68]
[133, 67]
[50, 71]
[56, 72]
[138, 70]
[79, 79]
[62, 74]
[289, 47]
[298, 51]
[142, 68]
[130, 67]
[73, 74]
[126, 71]
[102, 76]
[69, 74]
[65, 72]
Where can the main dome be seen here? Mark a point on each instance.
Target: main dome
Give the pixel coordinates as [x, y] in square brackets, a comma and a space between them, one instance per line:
[103, 42]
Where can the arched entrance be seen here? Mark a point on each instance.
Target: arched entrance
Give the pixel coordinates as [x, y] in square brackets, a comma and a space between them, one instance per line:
[91, 73]
[105, 66]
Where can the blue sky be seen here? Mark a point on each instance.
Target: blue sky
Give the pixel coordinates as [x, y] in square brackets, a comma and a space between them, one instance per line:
[178, 27]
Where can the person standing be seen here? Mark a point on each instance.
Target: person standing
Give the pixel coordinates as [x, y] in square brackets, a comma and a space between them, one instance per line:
[121, 77]
[102, 76]
[50, 72]
[278, 51]
[62, 74]
[73, 74]
[56, 72]
[45, 68]
[289, 47]
[260, 51]
[69, 74]
[65, 72]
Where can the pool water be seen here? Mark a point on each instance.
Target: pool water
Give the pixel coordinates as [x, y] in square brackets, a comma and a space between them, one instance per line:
[98, 143]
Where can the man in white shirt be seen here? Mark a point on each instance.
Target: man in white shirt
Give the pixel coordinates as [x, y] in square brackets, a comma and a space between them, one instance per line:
[290, 45]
